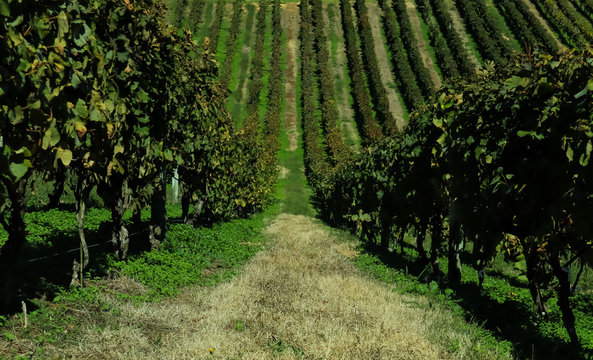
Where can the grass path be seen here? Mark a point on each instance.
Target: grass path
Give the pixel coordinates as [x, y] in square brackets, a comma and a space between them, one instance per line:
[300, 298]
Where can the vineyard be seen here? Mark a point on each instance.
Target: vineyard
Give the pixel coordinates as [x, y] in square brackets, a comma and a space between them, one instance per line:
[152, 141]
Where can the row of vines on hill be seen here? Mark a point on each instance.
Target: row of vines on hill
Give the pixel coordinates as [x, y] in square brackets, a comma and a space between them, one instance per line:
[214, 31]
[485, 30]
[231, 47]
[337, 151]
[368, 127]
[315, 163]
[526, 27]
[113, 94]
[403, 74]
[460, 53]
[586, 6]
[475, 166]
[273, 118]
[445, 59]
[374, 76]
[562, 24]
[412, 49]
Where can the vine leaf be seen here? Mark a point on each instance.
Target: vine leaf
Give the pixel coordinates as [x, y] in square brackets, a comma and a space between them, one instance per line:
[65, 155]
[51, 138]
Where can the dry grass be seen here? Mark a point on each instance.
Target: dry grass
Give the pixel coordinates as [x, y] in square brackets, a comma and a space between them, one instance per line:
[301, 297]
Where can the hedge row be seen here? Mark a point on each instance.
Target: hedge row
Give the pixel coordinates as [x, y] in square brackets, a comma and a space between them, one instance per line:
[231, 44]
[315, 165]
[368, 127]
[409, 39]
[525, 26]
[128, 101]
[561, 24]
[488, 37]
[460, 53]
[404, 76]
[337, 151]
[445, 59]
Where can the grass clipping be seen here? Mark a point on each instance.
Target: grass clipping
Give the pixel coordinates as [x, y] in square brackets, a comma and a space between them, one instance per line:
[300, 298]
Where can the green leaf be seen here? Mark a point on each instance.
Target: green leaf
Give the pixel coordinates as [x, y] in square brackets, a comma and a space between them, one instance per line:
[19, 170]
[4, 8]
[516, 81]
[36, 105]
[51, 137]
[96, 115]
[16, 115]
[75, 81]
[82, 33]
[63, 26]
[118, 149]
[584, 160]
[81, 109]
[569, 153]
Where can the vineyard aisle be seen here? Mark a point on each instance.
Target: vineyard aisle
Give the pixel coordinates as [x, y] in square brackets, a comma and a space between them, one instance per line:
[302, 294]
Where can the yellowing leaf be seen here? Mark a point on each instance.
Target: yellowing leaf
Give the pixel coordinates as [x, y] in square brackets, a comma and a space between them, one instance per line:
[80, 129]
[110, 130]
[65, 155]
[118, 149]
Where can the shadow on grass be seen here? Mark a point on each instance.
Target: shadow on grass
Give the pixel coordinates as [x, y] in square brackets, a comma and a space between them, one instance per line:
[44, 269]
[511, 320]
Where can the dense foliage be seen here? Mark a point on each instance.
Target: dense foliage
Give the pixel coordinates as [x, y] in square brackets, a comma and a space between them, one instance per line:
[112, 93]
[478, 165]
